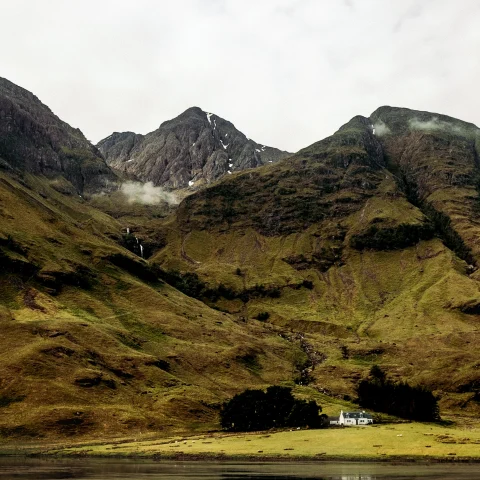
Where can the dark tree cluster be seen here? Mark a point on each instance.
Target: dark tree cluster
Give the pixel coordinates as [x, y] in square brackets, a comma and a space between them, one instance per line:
[441, 221]
[190, 284]
[392, 238]
[379, 393]
[254, 410]
[447, 233]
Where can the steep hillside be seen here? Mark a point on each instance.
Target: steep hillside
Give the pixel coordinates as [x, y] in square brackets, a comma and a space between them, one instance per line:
[363, 244]
[437, 159]
[95, 343]
[194, 148]
[34, 140]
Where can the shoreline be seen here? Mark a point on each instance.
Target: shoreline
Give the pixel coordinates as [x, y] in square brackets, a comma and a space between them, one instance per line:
[243, 458]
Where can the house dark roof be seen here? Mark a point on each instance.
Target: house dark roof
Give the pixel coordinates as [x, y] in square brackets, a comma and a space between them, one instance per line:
[356, 415]
[334, 418]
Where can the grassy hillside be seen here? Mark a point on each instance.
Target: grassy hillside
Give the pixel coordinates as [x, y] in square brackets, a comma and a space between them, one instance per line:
[95, 344]
[330, 246]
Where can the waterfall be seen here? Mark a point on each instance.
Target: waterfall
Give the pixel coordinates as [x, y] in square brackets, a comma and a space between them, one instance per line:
[128, 231]
[141, 250]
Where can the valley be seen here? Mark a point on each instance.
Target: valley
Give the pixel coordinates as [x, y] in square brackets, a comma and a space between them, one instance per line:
[305, 271]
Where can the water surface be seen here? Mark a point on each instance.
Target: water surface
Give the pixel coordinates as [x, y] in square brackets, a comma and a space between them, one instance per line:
[100, 469]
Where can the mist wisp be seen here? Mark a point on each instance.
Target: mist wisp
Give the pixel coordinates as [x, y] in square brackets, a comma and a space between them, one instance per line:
[434, 124]
[381, 128]
[147, 194]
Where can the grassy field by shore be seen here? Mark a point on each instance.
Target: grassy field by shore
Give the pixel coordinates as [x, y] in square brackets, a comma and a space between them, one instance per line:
[408, 440]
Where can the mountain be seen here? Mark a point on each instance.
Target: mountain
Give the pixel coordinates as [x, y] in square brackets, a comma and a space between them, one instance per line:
[191, 150]
[360, 249]
[34, 140]
[365, 243]
[94, 340]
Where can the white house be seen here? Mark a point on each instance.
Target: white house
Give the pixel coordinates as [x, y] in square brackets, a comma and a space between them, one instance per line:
[351, 418]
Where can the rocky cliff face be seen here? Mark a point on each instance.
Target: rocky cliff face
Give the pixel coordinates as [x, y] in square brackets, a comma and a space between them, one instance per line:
[330, 179]
[436, 161]
[193, 149]
[431, 160]
[33, 139]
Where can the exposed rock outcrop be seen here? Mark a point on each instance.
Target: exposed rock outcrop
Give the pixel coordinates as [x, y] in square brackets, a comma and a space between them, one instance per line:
[194, 148]
[436, 158]
[34, 140]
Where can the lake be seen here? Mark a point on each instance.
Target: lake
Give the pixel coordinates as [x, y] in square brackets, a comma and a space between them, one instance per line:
[100, 469]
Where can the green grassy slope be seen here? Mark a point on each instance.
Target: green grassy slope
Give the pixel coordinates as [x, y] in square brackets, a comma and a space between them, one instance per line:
[363, 272]
[94, 344]
[377, 442]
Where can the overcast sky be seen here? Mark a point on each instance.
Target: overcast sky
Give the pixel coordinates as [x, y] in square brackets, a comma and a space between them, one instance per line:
[286, 72]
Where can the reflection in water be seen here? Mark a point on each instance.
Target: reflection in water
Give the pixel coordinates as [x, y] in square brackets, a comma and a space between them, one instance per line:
[103, 469]
[353, 477]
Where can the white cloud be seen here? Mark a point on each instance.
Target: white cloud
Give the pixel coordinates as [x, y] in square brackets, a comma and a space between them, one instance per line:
[429, 125]
[434, 124]
[147, 193]
[286, 72]
[381, 128]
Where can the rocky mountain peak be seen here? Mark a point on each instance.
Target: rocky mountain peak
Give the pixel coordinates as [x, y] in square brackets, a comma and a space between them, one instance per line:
[191, 150]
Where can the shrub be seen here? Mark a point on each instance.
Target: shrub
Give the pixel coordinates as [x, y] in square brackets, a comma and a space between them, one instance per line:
[307, 284]
[6, 401]
[263, 316]
[274, 292]
[188, 283]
